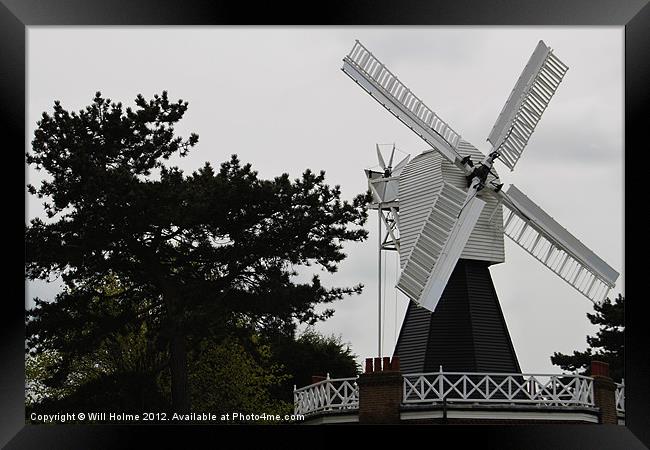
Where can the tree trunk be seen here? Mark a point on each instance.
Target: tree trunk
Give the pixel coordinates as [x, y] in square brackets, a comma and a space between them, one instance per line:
[177, 346]
[177, 351]
[178, 369]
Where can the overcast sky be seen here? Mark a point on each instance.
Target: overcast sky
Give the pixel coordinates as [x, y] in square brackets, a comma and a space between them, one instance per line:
[276, 97]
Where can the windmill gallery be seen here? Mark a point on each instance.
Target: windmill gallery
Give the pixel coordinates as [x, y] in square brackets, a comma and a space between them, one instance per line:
[445, 213]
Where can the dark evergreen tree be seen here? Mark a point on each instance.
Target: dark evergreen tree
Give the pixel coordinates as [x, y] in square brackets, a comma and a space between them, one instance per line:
[194, 256]
[311, 353]
[606, 346]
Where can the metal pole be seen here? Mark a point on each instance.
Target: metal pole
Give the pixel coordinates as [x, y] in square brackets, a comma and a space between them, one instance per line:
[379, 286]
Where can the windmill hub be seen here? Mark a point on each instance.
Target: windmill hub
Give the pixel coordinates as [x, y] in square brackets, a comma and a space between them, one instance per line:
[481, 171]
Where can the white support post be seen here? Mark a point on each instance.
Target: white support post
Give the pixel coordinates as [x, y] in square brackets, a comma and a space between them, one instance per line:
[379, 283]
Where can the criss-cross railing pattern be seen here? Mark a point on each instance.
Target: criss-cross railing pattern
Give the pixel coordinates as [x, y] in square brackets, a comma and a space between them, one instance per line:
[546, 390]
[620, 397]
[566, 390]
[327, 395]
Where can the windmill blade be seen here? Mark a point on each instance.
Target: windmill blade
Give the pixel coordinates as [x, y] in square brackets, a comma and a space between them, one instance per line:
[541, 236]
[439, 245]
[526, 104]
[392, 154]
[375, 78]
[400, 166]
[382, 164]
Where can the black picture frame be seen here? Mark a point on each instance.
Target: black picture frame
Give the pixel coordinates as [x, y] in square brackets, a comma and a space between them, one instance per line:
[16, 15]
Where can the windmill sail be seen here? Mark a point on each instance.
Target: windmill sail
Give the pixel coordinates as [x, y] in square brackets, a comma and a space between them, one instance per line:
[541, 236]
[439, 245]
[400, 166]
[382, 164]
[526, 104]
[387, 89]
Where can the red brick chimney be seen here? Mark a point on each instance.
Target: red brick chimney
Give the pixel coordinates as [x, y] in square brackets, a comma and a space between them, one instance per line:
[380, 391]
[604, 392]
[317, 378]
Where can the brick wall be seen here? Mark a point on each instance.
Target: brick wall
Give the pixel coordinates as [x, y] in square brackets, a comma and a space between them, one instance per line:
[380, 392]
[604, 392]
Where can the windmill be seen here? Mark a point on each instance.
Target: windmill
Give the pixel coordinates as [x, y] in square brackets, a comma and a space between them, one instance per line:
[450, 213]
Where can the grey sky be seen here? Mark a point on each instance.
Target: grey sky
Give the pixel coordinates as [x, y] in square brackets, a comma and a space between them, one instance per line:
[277, 98]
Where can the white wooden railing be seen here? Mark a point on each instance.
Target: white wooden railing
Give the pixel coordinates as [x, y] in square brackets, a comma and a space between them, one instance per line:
[538, 389]
[620, 397]
[327, 395]
[543, 390]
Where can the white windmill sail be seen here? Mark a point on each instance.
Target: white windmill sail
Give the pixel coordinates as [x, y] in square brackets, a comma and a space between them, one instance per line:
[541, 236]
[419, 184]
[439, 245]
[526, 104]
[387, 89]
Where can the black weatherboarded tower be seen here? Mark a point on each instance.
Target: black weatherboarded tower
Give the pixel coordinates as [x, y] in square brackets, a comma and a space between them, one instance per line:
[466, 333]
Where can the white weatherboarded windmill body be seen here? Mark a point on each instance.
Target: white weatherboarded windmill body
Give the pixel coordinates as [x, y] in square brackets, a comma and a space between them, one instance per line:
[446, 213]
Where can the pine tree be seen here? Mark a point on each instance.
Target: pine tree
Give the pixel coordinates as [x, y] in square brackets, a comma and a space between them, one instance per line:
[194, 255]
[606, 346]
